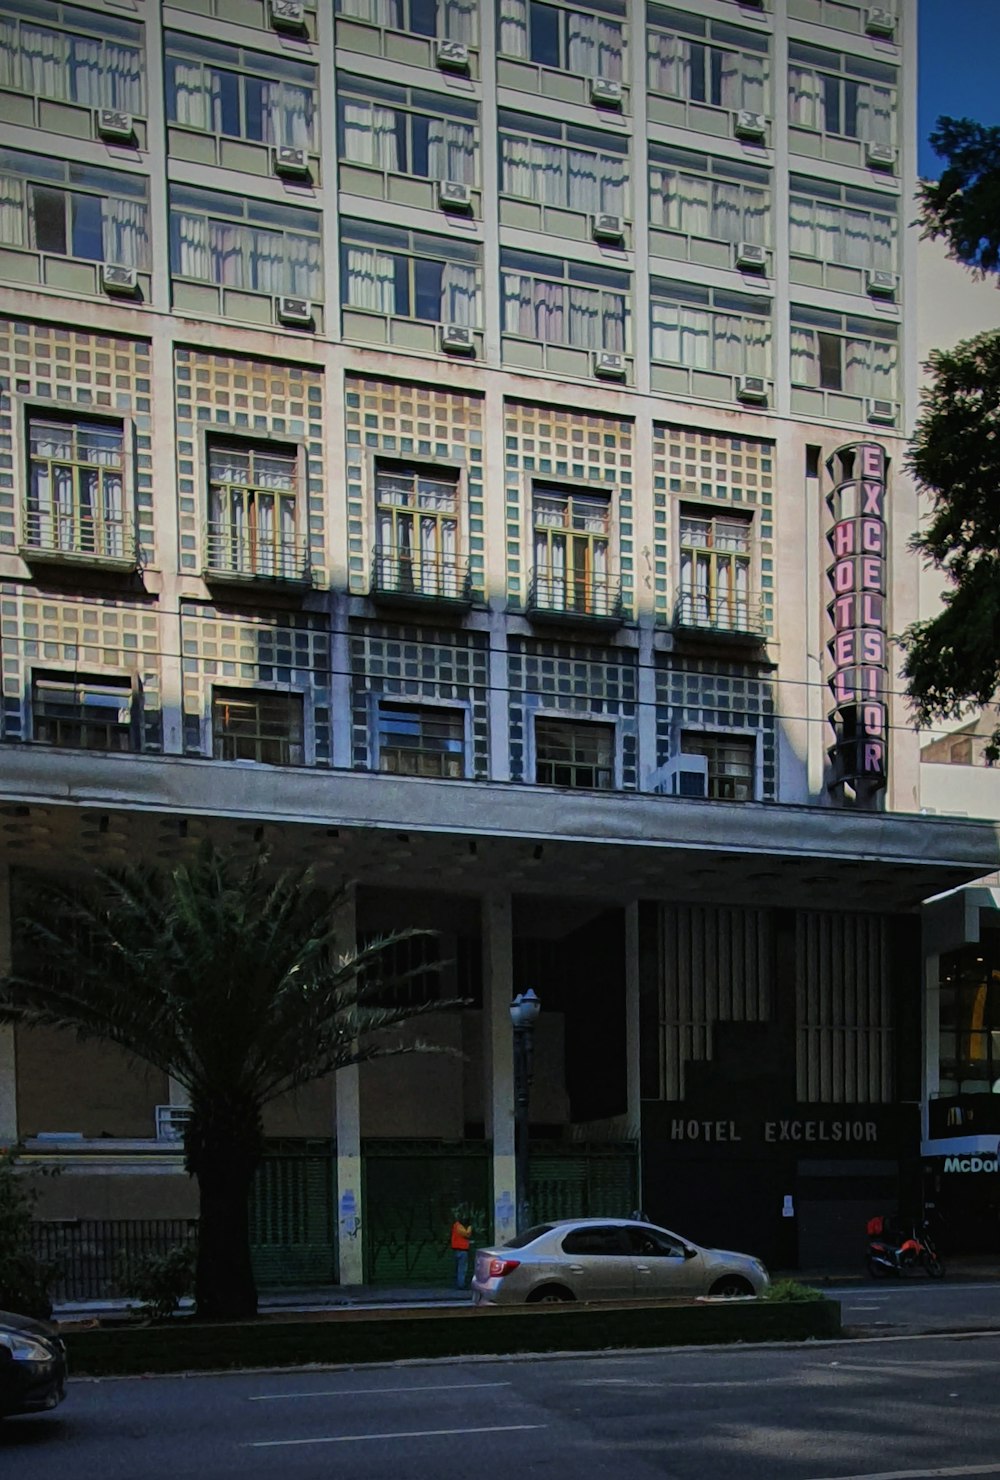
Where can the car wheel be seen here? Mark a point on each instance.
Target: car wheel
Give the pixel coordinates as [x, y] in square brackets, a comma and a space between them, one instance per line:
[550, 1295]
[731, 1285]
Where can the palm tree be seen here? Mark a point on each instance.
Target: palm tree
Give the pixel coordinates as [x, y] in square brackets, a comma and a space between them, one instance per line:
[226, 976]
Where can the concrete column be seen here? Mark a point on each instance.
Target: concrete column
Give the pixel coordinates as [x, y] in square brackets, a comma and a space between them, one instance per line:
[498, 1058]
[8, 1048]
[350, 1231]
[633, 1089]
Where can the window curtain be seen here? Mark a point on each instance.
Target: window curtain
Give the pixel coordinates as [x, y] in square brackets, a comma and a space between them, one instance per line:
[870, 368]
[459, 20]
[805, 99]
[513, 40]
[755, 211]
[668, 65]
[727, 215]
[85, 71]
[451, 151]
[680, 202]
[583, 180]
[804, 357]
[534, 308]
[744, 81]
[125, 232]
[727, 343]
[585, 319]
[857, 238]
[876, 113]
[10, 54]
[756, 346]
[123, 78]
[515, 167]
[370, 136]
[883, 243]
[11, 211]
[188, 97]
[110, 511]
[379, 12]
[437, 557]
[459, 295]
[44, 62]
[287, 114]
[593, 46]
[612, 323]
[303, 266]
[370, 280]
[550, 559]
[194, 255]
[681, 335]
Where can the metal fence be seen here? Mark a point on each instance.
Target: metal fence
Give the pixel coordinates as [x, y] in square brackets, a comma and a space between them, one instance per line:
[89, 1253]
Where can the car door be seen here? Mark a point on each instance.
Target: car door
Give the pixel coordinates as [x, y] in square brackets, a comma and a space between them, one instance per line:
[661, 1264]
[598, 1263]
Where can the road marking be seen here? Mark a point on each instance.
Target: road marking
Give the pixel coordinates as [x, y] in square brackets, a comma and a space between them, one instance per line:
[993, 1469]
[435, 1387]
[508, 1428]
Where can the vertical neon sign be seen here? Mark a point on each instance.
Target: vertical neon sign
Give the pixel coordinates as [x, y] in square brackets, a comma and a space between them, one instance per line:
[857, 610]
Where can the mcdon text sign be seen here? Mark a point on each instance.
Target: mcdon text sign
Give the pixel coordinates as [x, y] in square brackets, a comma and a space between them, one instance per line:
[857, 610]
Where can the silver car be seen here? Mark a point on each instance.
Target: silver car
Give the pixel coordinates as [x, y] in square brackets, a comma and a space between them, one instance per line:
[608, 1259]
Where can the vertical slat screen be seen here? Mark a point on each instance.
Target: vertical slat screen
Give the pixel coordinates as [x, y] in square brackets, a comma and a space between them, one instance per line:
[716, 967]
[843, 1010]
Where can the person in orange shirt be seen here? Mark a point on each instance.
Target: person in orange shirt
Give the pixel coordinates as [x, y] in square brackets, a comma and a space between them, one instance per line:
[461, 1233]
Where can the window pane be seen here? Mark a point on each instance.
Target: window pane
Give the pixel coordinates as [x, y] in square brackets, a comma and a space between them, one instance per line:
[48, 219]
[830, 365]
[544, 34]
[88, 234]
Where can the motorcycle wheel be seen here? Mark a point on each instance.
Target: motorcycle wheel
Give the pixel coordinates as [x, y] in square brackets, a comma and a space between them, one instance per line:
[934, 1266]
[876, 1268]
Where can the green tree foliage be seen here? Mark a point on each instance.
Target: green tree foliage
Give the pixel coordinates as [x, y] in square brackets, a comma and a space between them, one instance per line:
[952, 661]
[25, 1280]
[231, 979]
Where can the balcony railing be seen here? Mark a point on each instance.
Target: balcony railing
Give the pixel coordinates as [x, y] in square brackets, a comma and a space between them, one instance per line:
[594, 600]
[407, 578]
[79, 538]
[247, 558]
[720, 614]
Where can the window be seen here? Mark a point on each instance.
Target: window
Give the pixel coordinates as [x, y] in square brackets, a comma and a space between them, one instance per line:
[559, 302]
[76, 487]
[238, 93]
[241, 243]
[390, 270]
[249, 725]
[730, 763]
[707, 62]
[456, 20]
[421, 742]
[72, 55]
[571, 539]
[80, 712]
[416, 518]
[828, 93]
[710, 329]
[837, 223]
[407, 131]
[596, 1239]
[969, 1009]
[578, 753]
[715, 570]
[251, 510]
[73, 210]
[653, 1243]
[585, 39]
[836, 352]
[556, 164]
[717, 199]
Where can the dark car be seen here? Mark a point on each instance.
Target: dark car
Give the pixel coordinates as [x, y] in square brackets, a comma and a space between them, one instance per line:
[32, 1365]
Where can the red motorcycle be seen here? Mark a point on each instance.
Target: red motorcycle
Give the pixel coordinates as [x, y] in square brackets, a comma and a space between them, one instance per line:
[908, 1254]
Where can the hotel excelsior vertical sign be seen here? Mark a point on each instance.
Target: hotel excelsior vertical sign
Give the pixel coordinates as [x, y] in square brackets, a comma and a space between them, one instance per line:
[857, 609]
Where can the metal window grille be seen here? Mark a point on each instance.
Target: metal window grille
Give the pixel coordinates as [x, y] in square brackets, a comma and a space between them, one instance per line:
[574, 753]
[730, 764]
[262, 727]
[421, 742]
[82, 713]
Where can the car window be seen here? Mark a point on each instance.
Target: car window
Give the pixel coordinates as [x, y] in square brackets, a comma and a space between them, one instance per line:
[653, 1243]
[528, 1236]
[596, 1238]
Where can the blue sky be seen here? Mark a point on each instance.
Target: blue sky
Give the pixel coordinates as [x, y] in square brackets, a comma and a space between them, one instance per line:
[959, 56]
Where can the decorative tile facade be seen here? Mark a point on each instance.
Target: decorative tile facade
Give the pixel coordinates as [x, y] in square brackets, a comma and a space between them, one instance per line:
[551, 443]
[711, 467]
[255, 399]
[419, 663]
[421, 423]
[272, 650]
[74, 635]
[589, 681]
[696, 693]
[42, 365]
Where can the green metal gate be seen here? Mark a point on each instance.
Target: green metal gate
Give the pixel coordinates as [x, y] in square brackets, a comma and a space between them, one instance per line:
[583, 1181]
[293, 1232]
[413, 1190]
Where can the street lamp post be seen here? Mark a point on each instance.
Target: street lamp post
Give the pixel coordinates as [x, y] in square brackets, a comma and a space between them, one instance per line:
[524, 1012]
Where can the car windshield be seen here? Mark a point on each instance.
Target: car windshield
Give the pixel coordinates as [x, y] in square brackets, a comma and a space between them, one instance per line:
[528, 1236]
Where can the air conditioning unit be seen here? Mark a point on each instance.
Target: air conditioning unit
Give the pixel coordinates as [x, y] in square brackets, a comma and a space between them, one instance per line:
[609, 365]
[607, 93]
[682, 776]
[752, 388]
[287, 15]
[114, 126]
[607, 228]
[170, 1121]
[452, 56]
[750, 255]
[457, 339]
[747, 125]
[118, 279]
[290, 161]
[883, 412]
[454, 196]
[880, 156]
[880, 22]
[881, 284]
[297, 311]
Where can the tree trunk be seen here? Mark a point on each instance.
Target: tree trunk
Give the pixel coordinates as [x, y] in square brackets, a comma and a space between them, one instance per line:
[223, 1145]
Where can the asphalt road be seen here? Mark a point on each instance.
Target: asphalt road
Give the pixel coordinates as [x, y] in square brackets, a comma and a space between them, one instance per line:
[882, 1409]
[917, 1304]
